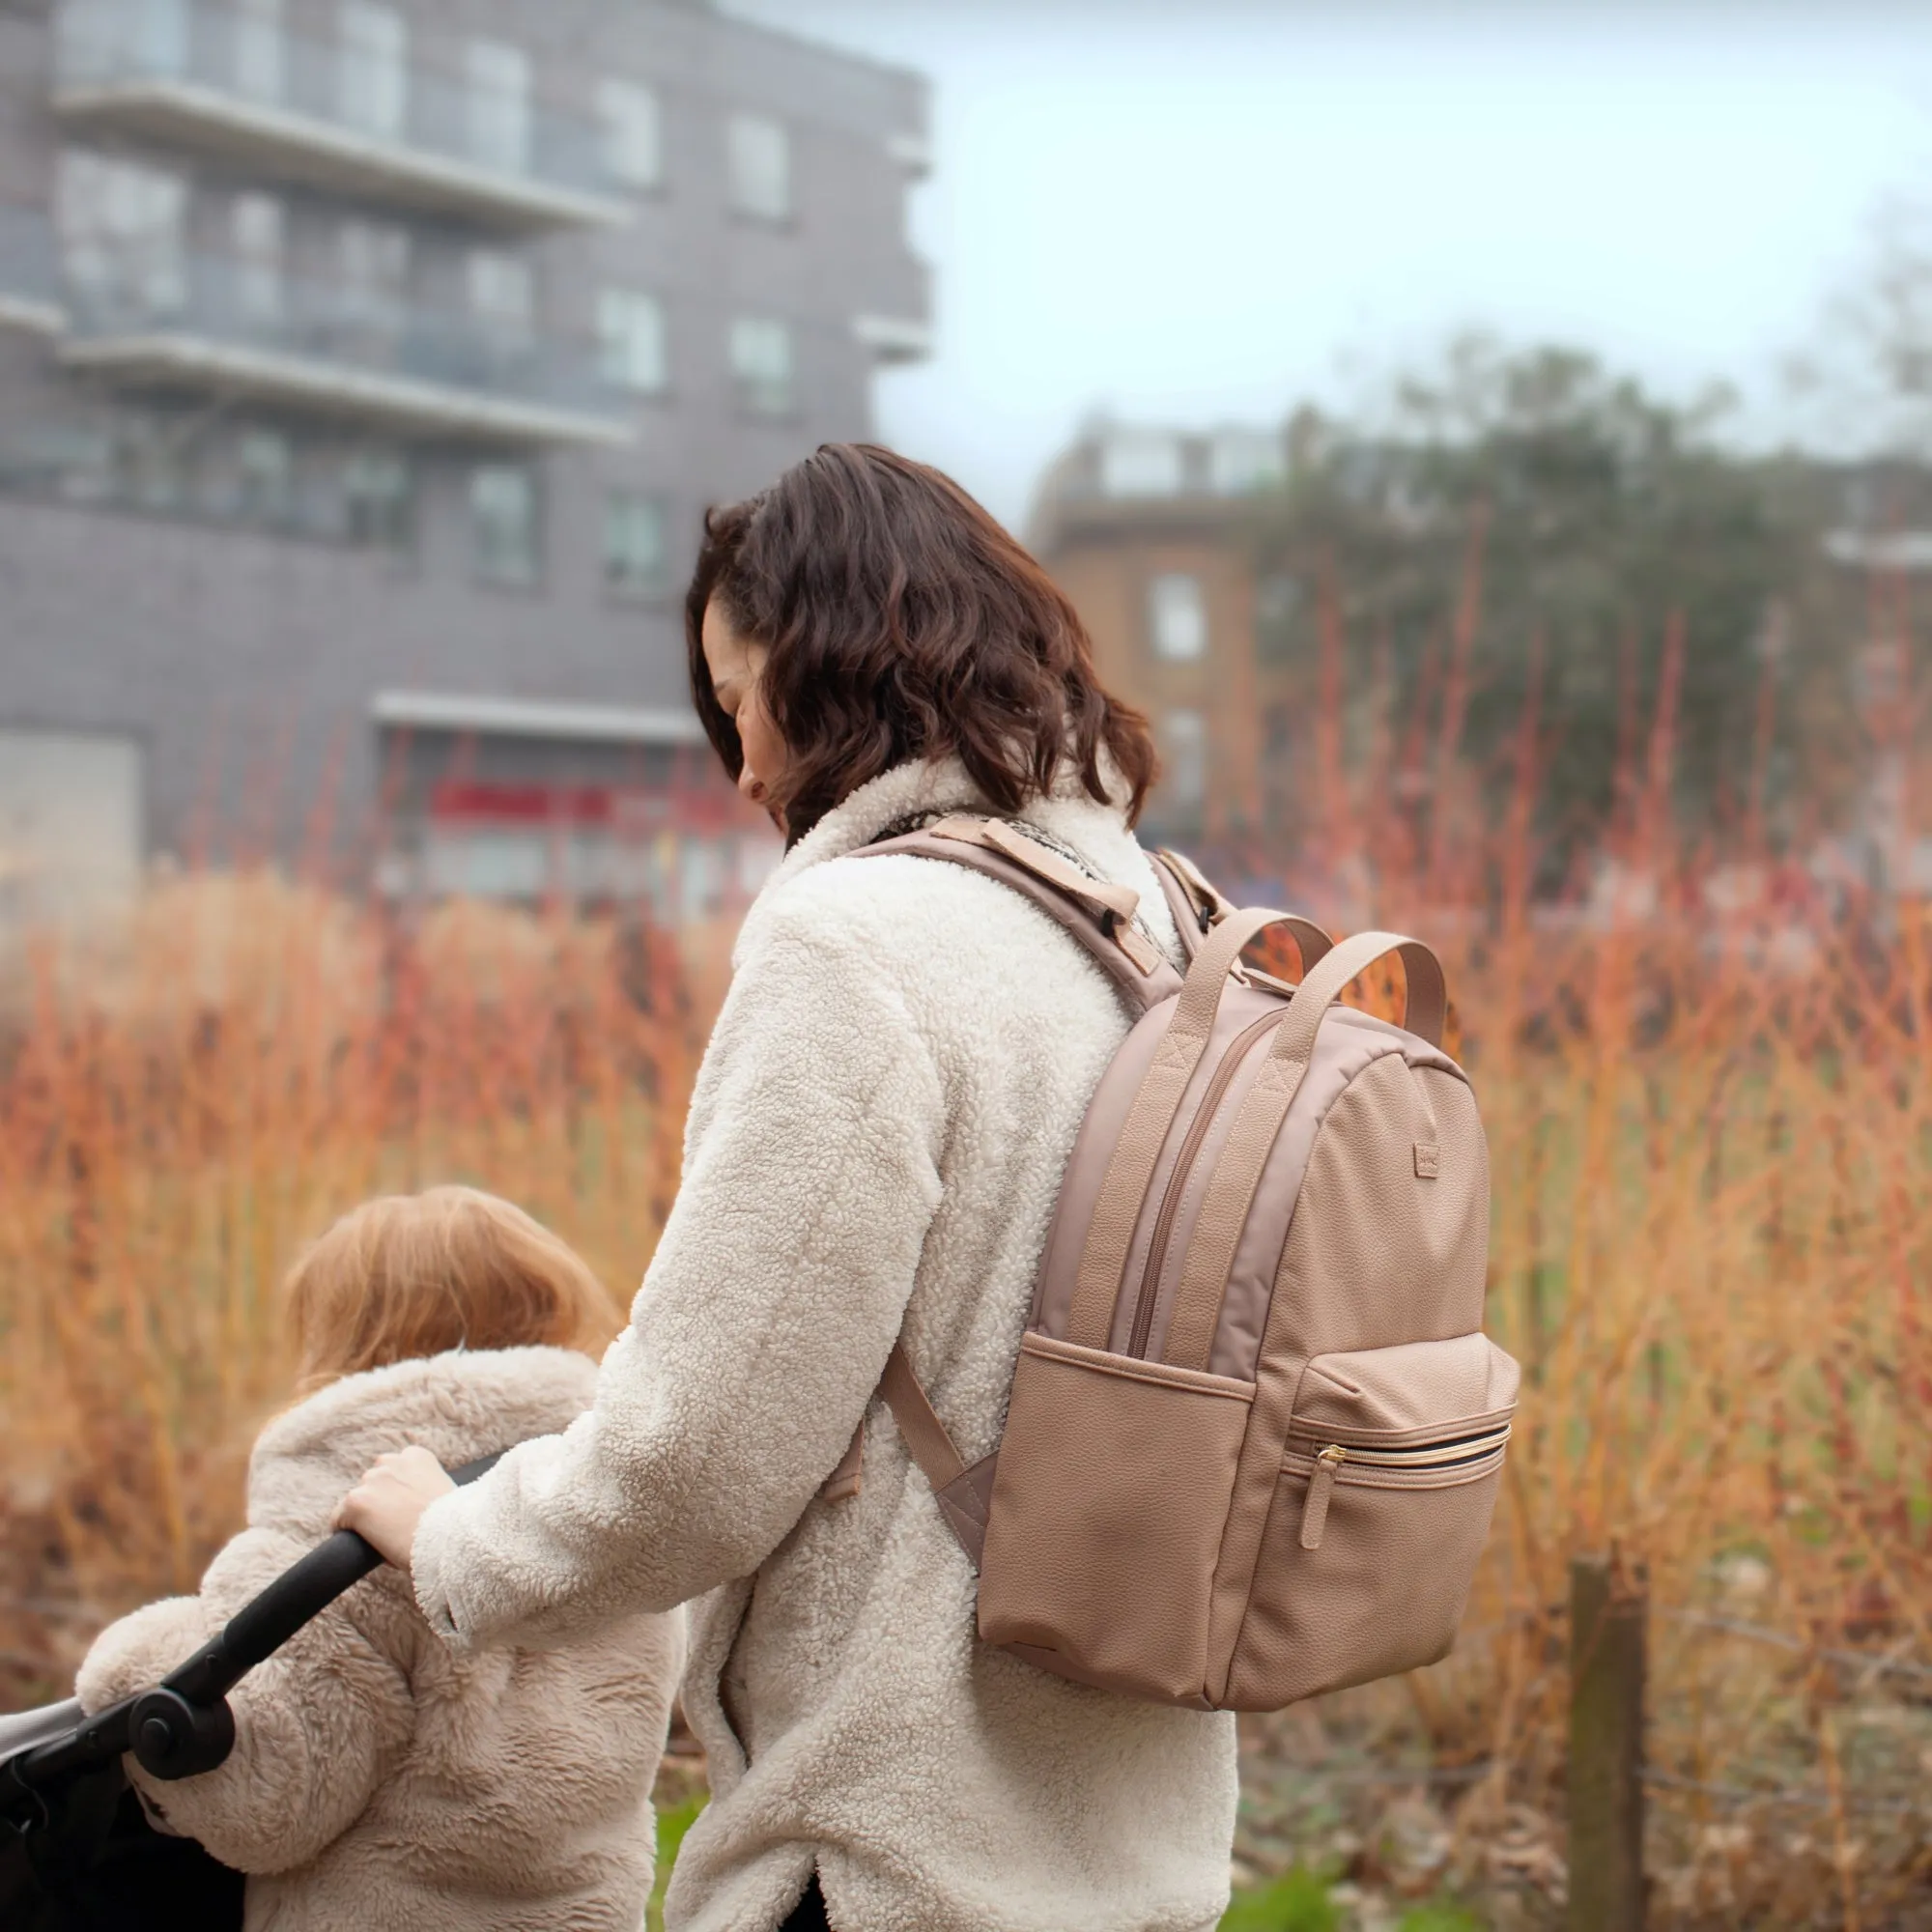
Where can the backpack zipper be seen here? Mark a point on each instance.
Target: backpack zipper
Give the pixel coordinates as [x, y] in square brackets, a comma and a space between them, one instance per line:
[1170, 1203]
[1321, 1487]
[1474, 1447]
[1424, 1458]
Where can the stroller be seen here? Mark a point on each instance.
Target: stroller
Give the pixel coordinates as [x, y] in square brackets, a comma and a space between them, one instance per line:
[77, 1851]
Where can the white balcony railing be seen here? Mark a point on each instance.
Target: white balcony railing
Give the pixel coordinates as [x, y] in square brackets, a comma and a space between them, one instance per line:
[29, 272]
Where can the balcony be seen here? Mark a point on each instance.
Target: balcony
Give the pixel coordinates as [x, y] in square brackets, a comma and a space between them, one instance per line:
[352, 117]
[29, 273]
[215, 325]
[895, 338]
[901, 331]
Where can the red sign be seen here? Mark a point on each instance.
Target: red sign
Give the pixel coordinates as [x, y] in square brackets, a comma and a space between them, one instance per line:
[625, 812]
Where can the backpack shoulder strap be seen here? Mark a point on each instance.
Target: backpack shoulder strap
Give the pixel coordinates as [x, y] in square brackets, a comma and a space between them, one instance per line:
[1096, 912]
[1199, 907]
[1100, 916]
[962, 1492]
[1197, 903]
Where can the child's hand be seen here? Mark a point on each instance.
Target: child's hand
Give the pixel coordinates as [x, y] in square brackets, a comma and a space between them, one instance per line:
[388, 1503]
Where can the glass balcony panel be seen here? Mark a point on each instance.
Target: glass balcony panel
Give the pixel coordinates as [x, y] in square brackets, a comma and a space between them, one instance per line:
[120, 225]
[340, 331]
[356, 98]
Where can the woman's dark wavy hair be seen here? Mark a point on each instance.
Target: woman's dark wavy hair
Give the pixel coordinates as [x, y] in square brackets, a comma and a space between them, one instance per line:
[900, 622]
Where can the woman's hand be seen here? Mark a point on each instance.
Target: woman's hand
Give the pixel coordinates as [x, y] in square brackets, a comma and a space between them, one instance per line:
[388, 1503]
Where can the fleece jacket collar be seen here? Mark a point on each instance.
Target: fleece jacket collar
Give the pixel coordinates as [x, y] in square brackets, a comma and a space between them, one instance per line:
[1099, 834]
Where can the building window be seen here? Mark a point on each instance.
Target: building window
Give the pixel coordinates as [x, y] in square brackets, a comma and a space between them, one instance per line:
[255, 225]
[761, 364]
[120, 237]
[633, 134]
[499, 106]
[71, 804]
[158, 34]
[147, 463]
[377, 499]
[1242, 459]
[1277, 597]
[373, 264]
[1184, 735]
[258, 49]
[631, 340]
[636, 554]
[503, 295]
[374, 70]
[1139, 463]
[1277, 605]
[503, 516]
[759, 153]
[1176, 616]
[486, 863]
[264, 478]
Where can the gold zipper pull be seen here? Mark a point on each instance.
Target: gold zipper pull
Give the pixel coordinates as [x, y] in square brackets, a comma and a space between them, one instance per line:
[1320, 1485]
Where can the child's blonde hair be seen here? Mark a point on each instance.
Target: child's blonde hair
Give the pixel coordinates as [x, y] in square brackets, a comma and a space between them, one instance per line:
[407, 1275]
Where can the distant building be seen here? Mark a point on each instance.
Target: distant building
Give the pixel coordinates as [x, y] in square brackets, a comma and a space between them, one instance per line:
[364, 372]
[1146, 531]
[1153, 532]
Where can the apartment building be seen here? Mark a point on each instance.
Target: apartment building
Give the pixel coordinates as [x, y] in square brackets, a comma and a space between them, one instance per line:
[1146, 531]
[365, 370]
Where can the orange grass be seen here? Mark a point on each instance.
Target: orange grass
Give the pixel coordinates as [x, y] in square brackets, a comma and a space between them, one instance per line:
[1711, 1147]
[1711, 1237]
[184, 1102]
[1711, 1243]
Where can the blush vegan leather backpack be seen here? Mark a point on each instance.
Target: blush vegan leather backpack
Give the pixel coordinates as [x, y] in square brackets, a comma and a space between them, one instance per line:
[1256, 1430]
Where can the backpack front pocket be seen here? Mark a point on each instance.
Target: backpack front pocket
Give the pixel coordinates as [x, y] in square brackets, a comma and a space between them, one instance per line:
[1427, 1465]
[1379, 1514]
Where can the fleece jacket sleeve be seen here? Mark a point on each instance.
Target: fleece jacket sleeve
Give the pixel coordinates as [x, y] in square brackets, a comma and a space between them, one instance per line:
[316, 1727]
[810, 1179]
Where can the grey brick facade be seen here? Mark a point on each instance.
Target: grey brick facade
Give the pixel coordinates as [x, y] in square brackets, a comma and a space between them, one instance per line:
[242, 649]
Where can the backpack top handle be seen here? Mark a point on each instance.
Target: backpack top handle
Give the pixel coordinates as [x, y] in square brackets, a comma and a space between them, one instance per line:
[1210, 1255]
[1151, 1119]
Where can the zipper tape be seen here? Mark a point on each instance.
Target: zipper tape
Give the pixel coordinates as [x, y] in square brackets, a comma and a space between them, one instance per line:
[1424, 1456]
[1238, 1049]
[1329, 1462]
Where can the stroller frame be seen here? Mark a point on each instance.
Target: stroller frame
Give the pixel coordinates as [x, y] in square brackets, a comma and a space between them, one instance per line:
[180, 1729]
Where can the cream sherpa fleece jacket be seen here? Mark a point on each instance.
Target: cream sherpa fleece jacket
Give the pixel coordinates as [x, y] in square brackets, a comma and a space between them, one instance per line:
[380, 1779]
[875, 1142]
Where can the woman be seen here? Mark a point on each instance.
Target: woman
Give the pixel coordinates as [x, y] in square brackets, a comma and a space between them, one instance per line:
[875, 1142]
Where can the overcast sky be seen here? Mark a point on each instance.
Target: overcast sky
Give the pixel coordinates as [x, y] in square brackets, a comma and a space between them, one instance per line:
[1207, 211]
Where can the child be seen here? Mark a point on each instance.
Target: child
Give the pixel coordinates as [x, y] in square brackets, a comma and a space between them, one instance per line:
[379, 1777]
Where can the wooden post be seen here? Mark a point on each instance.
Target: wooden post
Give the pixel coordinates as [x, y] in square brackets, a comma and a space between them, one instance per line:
[1608, 1605]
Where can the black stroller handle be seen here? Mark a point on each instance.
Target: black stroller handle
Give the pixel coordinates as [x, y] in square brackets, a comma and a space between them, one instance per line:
[184, 1725]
